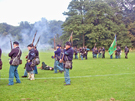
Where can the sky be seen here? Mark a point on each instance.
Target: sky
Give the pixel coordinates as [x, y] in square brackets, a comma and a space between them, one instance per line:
[14, 11]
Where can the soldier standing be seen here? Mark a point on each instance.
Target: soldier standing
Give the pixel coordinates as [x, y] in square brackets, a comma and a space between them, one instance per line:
[37, 55]
[86, 52]
[15, 55]
[0, 59]
[103, 52]
[126, 52]
[30, 66]
[68, 57]
[81, 53]
[57, 57]
[25, 72]
[118, 52]
[95, 52]
[99, 52]
[76, 53]
[62, 50]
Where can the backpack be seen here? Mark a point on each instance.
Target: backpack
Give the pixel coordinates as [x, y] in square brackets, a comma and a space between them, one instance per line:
[37, 60]
[16, 60]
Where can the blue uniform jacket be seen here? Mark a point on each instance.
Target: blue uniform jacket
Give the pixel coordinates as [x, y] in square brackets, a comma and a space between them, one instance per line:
[0, 53]
[69, 54]
[14, 52]
[57, 54]
[31, 56]
[36, 53]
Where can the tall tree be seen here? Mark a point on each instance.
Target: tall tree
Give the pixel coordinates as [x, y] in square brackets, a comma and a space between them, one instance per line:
[97, 20]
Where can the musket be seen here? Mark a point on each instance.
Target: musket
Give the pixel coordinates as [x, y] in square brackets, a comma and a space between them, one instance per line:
[37, 42]
[11, 43]
[54, 43]
[32, 42]
[34, 37]
[70, 38]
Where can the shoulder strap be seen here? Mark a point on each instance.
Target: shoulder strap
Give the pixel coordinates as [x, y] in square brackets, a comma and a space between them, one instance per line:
[18, 53]
[67, 58]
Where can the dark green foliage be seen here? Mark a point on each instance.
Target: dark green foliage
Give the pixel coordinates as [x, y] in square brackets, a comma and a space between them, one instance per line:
[98, 21]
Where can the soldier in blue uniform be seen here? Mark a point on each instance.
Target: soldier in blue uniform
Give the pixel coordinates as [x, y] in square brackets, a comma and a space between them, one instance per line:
[30, 66]
[57, 57]
[76, 53]
[37, 55]
[103, 52]
[99, 52]
[0, 59]
[126, 52]
[68, 56]
[13, 72]
[118, 52]
[81, 53]
[62, 50]
[86, 52]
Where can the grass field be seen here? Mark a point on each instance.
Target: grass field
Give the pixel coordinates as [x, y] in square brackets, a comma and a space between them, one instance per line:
[91, 80]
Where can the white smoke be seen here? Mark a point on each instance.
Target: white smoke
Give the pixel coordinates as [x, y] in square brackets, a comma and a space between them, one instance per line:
[44, 31]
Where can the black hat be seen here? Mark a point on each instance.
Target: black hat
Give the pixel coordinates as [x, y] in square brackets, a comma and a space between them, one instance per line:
[30, 45]
[58, 45]
[68, 43]
[17, 43]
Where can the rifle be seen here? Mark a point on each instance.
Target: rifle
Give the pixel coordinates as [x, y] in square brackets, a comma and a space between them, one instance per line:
[32, 42]
[34, 37]
[37, 42]
[54, 43]
[11, 43]
[71, 38]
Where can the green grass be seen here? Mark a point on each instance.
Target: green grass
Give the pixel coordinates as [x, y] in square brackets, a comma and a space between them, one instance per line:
[90, 81]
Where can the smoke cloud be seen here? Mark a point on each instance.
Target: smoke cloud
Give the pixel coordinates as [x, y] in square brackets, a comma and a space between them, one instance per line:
[45, 30]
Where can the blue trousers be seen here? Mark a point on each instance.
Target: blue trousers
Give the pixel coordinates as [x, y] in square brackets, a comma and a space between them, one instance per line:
[117, 56]
[95, 55]
[61, 65]
[111, 56]
[76, 57]
[25, 73]
[13, 73]
[57, 67]
[81, 57]
[66, 75]
[35, 70]
[99, 55]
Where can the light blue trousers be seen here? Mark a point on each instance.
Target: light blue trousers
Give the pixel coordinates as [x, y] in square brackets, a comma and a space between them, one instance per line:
[66, 75]
[25, 73]
[35, 70]
[81, 57]
[57, 67]
[76, 57]
[13, 72]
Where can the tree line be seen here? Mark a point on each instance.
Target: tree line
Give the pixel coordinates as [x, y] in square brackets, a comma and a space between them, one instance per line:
[97, 21]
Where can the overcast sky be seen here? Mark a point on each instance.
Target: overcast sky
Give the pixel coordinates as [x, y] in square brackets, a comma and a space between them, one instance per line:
[14, 11]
